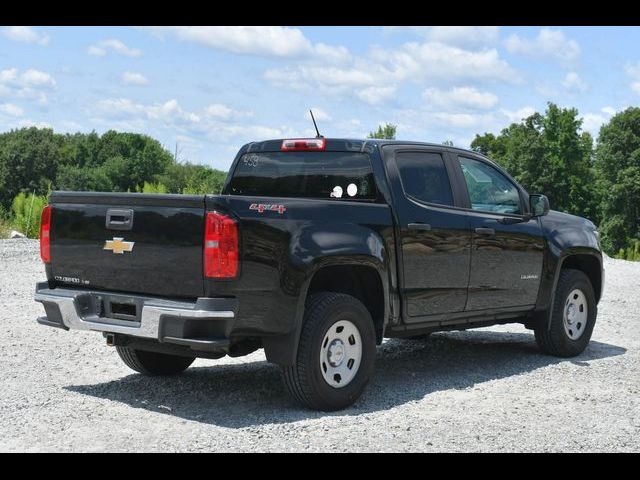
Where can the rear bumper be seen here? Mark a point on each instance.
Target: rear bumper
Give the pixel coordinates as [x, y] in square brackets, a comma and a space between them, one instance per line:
[204, 324]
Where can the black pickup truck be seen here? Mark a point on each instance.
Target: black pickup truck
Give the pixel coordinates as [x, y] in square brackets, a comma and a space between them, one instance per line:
[316, 250]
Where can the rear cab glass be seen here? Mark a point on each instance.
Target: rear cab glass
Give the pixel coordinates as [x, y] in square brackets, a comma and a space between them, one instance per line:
[325, 175]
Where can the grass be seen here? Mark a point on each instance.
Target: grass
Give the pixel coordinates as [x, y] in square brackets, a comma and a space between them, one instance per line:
[5, 228]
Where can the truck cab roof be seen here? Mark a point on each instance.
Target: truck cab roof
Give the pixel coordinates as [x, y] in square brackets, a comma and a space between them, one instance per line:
[345, 144]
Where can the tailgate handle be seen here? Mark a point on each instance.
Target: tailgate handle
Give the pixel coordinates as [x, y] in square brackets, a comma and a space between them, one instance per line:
[118, 219]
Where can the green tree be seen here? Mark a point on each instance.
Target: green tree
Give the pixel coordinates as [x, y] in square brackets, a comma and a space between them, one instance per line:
[388, 132]
[617, 163]
[29, 159]
[547, 153]
[192, 179]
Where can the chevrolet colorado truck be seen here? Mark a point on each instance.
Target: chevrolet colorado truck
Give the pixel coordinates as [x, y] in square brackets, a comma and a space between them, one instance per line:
[315, 251]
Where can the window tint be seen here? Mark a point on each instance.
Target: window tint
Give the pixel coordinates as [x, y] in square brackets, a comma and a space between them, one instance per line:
[344, 175]
[489, 190]
[424, 177]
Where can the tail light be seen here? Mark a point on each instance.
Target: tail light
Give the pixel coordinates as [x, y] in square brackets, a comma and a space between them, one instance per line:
[220, 246]
[45, 235]
[303, 144]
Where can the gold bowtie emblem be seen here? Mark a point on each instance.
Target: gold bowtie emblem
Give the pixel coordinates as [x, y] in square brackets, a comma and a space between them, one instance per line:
[117, 245]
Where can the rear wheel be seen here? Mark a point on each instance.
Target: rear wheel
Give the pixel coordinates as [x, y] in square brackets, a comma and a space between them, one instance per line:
[153, 363]
[336, 353]
[573, 316]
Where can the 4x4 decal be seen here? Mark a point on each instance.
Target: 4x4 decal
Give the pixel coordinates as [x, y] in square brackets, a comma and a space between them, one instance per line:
[261, 207]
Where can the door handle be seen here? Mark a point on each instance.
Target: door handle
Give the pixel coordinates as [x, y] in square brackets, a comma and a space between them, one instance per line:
[419, 226]
[485, 231]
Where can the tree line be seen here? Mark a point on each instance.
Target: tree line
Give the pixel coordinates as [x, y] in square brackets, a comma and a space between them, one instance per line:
[546, 153]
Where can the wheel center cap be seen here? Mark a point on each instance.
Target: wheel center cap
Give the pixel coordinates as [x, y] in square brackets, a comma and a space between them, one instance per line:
[571, 312]
[336, 353]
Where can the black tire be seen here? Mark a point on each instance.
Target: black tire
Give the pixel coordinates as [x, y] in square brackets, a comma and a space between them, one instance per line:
[304, 380]
[153, 363]
[553, 339]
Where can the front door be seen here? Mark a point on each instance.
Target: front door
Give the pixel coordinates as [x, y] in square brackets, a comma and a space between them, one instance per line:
[506, 257]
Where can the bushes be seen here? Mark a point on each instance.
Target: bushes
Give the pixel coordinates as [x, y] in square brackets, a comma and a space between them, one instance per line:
[27, 210]
[632, 252]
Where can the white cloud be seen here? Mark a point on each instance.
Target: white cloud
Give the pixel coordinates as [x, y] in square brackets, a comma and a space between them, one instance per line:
[166, 113]
[376, 77]
[11, 110]
[217, 110]
[133, 78]
[26, 123]
[8, 75]
[272, 41]
[460, 97]
[518, 115]
[463, 36]
[572, 81]
[592, 121]
[461, 120]
[319, 114]
[633, 70]
[434, 60]
[548, 43]
[215, 119]
[113, 45]
[28, 84]
[376, 95]
[25, 34]
[37, 78]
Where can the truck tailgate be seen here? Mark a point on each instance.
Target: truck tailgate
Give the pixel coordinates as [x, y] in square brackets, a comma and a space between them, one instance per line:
[128, 242]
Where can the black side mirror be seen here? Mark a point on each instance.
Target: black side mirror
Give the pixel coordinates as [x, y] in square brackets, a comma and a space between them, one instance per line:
[538, 204]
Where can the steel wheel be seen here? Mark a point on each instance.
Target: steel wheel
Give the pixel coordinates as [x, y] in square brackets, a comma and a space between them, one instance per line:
[341, 353]
[575, 314]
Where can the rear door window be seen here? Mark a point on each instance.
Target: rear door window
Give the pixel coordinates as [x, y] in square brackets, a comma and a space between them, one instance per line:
[424, 177]
[340, 175]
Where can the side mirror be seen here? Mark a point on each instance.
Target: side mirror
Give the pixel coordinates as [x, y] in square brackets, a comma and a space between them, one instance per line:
[539, 205]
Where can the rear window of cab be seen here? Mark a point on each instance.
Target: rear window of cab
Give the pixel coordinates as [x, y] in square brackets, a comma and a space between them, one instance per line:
[339, 175]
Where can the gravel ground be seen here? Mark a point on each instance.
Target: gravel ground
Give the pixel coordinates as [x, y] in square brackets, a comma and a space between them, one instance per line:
[481, 390]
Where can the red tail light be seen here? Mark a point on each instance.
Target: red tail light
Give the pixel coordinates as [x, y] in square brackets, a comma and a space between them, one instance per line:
[45, 235]
[220, 246]
[303, 144]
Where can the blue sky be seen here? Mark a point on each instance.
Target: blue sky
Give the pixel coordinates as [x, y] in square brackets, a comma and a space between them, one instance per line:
[212, 89]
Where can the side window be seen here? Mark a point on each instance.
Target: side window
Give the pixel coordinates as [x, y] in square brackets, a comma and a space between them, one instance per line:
[489, 190]
[424, 177]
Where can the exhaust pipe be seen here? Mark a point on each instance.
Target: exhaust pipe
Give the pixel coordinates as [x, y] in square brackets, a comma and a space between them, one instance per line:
[111, 339]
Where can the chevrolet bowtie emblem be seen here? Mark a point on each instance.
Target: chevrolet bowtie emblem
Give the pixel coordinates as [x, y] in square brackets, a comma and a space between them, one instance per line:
[117, 245]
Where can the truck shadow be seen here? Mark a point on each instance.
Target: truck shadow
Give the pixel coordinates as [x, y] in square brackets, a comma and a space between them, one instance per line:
[250, 394]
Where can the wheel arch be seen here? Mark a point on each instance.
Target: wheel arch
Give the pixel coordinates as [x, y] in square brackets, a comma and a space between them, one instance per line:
[365, 278]
[587, 261]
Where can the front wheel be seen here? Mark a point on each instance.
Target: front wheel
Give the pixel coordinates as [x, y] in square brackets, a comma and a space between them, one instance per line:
[572, 318]
[336, 353]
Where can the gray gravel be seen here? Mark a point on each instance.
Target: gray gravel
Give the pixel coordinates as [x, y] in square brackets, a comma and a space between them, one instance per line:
[481, 390]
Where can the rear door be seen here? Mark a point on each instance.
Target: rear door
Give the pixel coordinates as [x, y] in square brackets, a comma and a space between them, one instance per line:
[434, 235]
[506, 258]
[138, 243]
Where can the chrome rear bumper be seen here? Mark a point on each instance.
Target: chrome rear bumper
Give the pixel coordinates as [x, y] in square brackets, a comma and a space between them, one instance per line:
[203, 324]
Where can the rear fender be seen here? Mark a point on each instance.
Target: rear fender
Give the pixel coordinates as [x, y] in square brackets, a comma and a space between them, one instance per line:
[321, 246]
